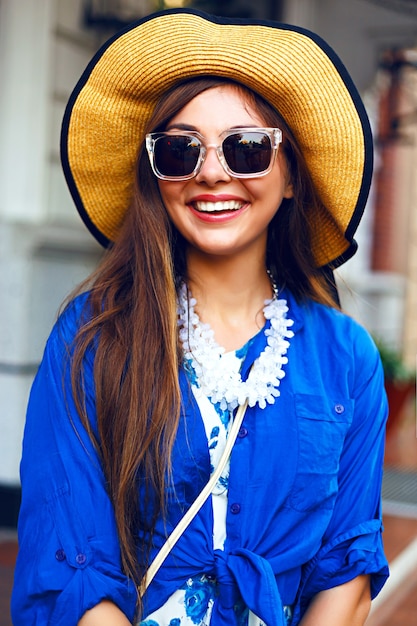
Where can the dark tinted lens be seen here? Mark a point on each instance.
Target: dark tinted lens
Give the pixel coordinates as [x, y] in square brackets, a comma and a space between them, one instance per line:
[247, 153]
[176, 155]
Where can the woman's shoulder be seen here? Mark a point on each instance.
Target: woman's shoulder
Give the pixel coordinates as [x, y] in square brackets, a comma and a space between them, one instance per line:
[335, 326]
[72, 317]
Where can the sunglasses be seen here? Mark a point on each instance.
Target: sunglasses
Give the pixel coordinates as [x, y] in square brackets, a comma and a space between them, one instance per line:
[243, 152]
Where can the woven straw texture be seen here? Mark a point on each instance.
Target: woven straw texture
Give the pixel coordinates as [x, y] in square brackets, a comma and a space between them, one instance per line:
[114, 100]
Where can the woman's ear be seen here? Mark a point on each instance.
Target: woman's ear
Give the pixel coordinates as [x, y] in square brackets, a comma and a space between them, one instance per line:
[286, 168]
[288, 191]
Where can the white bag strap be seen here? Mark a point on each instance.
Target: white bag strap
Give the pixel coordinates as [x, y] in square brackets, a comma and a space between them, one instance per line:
[197, 504]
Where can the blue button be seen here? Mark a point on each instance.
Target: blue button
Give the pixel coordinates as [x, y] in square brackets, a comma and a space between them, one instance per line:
[243, 432]
[339, 408]
[235, 508]
[80, 558]
[60, 555]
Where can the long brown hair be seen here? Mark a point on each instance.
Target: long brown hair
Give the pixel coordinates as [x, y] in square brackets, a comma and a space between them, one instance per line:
[132, 324]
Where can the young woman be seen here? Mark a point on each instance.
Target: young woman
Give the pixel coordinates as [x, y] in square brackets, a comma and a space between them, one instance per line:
[216, 293]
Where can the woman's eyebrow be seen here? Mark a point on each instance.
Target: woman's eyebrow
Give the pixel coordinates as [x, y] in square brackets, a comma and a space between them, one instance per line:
[181, 127]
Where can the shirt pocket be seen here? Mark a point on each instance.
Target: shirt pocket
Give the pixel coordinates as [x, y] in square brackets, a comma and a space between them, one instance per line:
[322, 424]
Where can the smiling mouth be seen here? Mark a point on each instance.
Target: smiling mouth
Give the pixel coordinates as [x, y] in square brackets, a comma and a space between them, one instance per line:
[216, 207]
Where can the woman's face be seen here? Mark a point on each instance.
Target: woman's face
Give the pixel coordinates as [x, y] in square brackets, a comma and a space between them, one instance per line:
[246, 205]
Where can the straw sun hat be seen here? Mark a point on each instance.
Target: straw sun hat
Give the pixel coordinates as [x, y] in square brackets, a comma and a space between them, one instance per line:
[290, 67]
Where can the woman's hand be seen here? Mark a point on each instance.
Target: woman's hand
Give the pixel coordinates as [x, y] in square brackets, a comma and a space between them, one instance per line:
[104, 614]
[346, 605]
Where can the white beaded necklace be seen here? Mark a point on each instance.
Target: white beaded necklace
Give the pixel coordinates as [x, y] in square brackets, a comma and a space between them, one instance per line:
[216, 378]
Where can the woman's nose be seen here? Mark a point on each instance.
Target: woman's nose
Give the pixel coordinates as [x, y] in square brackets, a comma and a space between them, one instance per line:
[212, 171]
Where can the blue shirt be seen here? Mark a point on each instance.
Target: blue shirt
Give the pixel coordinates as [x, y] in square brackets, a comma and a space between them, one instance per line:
[304, 487]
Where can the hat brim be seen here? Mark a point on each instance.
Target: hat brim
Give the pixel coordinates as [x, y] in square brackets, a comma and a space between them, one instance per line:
[292, 68]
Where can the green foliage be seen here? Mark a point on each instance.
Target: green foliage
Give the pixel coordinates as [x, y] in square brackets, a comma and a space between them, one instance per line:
[395, 369]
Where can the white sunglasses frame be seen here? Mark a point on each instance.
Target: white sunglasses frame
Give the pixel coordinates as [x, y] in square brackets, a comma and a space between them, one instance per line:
[274, 134]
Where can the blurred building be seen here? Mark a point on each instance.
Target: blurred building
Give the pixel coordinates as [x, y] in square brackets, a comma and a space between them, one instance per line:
[44, 248]
[394, 232]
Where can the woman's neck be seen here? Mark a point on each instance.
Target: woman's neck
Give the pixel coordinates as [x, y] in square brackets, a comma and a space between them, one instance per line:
[230, 294]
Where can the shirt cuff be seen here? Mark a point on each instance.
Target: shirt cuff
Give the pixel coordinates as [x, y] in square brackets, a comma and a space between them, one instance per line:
[353, 553]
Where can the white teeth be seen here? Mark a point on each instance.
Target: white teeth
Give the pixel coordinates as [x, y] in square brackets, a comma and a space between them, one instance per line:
[210, 207]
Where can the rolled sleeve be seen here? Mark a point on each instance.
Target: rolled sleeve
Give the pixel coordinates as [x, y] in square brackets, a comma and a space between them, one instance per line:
[354, 553]
[352, 544]
[69, 555]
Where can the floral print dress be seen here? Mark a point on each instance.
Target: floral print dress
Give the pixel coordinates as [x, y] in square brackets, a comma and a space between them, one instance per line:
[192, 605]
